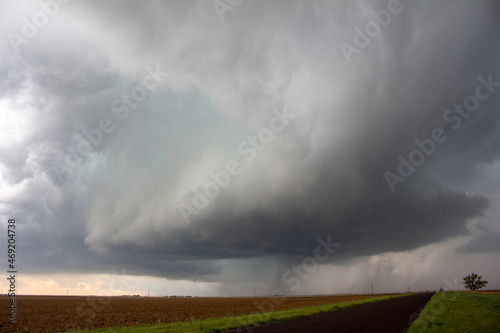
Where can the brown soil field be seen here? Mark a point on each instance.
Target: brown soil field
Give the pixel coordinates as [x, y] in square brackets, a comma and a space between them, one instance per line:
[62, 313]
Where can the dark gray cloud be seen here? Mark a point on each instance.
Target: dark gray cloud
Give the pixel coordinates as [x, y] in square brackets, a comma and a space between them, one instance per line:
[486, 242]
[322, 175]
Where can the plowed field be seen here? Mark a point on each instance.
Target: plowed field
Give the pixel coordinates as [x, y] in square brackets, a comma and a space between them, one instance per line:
[59, 313]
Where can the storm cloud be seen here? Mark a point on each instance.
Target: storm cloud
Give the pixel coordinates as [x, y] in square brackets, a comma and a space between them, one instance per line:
[175, 138]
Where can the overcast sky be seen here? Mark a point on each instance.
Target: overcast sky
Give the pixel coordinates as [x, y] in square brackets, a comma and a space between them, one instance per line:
[210, 148]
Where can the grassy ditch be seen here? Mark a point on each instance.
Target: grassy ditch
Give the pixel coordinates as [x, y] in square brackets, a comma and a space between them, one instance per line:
[456, 311]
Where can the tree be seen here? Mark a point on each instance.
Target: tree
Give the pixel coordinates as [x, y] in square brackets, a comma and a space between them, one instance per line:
[474, 282]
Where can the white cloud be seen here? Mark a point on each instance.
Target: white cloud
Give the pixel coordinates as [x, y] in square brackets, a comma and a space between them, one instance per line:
[322, 175]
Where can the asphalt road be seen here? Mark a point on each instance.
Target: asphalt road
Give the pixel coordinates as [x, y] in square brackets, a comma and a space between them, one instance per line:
[392, 315]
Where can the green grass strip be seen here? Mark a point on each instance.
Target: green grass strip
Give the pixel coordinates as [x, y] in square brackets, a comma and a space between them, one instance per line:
[455, 311]
[231, 323]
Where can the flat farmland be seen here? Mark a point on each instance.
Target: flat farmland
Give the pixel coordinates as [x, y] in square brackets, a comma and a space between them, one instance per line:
[62, 313]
